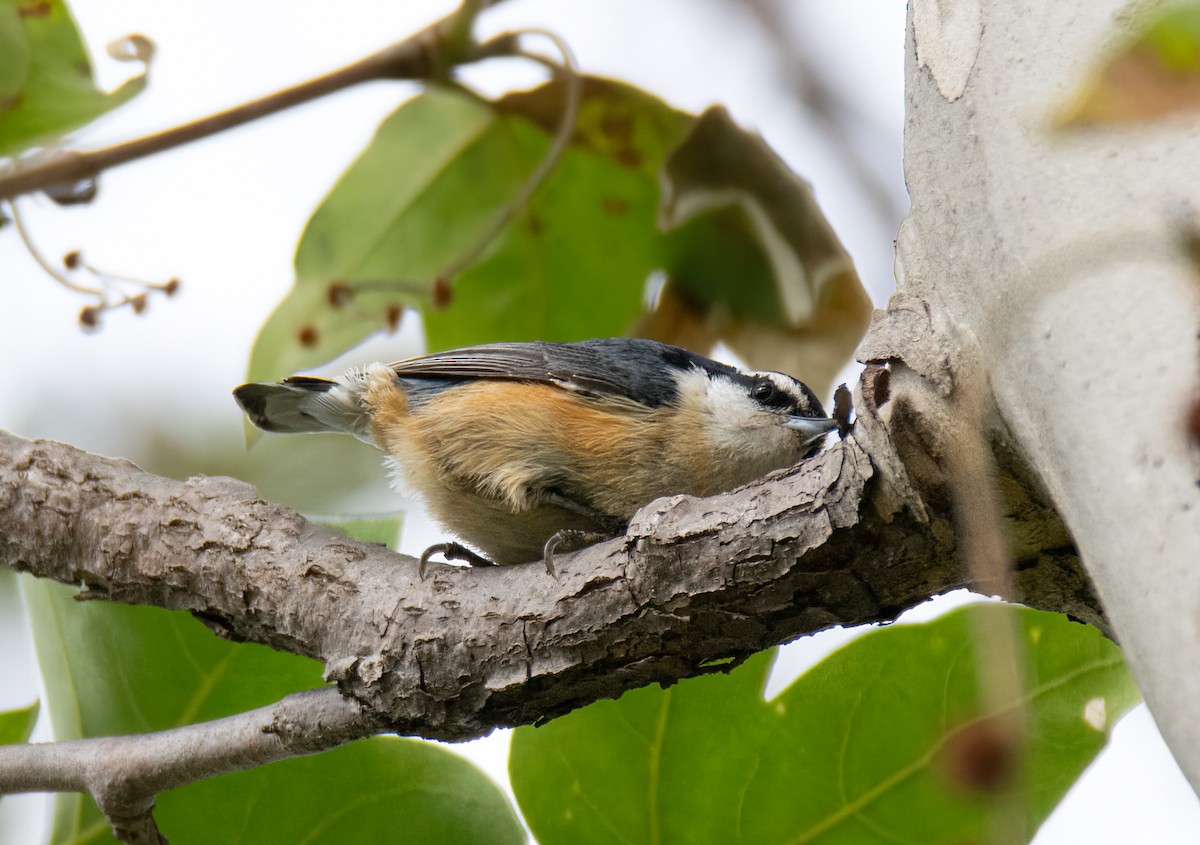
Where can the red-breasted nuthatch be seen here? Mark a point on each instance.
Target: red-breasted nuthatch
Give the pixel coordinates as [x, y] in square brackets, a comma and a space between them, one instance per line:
[516, 447]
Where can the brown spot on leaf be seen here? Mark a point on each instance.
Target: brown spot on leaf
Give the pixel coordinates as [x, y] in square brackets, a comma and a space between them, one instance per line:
[981, 757]
[618, 129]
[36, 9]
[628, 157]
[616, 206]
[443, 292]
[392, 317]
[338, 294]
[308, 335]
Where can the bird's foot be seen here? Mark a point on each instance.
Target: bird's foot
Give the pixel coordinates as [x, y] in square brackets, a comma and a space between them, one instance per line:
[572, 538]
[451, 552]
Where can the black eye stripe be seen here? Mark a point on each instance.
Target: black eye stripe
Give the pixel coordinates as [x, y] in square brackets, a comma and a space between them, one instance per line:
[766, 392]
[793, 396]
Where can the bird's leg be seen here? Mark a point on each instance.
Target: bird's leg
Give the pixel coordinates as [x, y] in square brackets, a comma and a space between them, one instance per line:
[451, 551]
[607, 526]
[553, 497]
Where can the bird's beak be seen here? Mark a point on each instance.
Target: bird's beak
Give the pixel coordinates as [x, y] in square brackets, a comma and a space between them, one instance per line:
[811, 428]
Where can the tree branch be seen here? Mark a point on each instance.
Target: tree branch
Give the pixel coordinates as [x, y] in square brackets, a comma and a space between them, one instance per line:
[836, 540]
[125, 773]
[856, 534]
[429, 54]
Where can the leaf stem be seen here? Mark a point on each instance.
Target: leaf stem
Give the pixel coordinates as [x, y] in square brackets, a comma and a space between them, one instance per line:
[48, 266]
[505, 44]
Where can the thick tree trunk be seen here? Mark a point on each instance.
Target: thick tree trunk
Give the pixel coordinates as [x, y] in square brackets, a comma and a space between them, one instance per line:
[1046, 272]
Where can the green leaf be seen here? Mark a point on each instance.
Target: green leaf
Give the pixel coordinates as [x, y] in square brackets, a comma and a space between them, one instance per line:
[1173, 34]
[574, 266]
[808, 312]
[380, 790]
[17, 725]
[575, 263]
[858, 750]
[46, 85]
[383, 530]
[111, 669]
[439, 172]
[14, 52]
[373, 247]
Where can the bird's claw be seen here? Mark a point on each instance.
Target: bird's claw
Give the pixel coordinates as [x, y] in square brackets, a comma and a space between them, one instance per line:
[574, 537]
[451, 551]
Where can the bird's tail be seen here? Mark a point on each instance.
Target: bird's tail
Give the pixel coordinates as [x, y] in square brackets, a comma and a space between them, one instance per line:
[306, 404]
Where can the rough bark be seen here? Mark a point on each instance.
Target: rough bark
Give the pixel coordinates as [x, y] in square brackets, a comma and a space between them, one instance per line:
[837, 540]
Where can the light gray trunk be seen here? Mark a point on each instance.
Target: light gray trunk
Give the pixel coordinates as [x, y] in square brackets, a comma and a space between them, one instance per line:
[1049, 266]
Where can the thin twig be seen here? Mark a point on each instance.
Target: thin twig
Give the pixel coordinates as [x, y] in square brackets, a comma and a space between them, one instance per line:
[125, 773]
[429, 54]
[566, 127]
[109, 296]
[46, 264]
[828, 103]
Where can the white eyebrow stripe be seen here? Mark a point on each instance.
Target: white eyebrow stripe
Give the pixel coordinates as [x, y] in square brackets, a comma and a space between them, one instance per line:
[783, 382]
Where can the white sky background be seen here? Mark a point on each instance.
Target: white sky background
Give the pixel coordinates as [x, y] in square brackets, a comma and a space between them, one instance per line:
[225, 215]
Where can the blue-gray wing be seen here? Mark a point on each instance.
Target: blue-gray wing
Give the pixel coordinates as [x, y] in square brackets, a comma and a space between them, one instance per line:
[628, 368]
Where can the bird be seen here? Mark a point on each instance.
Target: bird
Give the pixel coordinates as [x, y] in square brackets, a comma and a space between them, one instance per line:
[520, 448]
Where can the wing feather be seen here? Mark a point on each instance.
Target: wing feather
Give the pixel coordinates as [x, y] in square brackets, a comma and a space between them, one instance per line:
[628, 368]
[493, 361]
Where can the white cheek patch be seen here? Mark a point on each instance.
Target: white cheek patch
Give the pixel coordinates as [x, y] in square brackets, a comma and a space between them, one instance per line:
[717, 398]
[740, 431]
[729, 404]
[693, 384]
[723, 407]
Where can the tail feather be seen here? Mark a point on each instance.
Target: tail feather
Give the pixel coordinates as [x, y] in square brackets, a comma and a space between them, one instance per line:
[304, 404]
